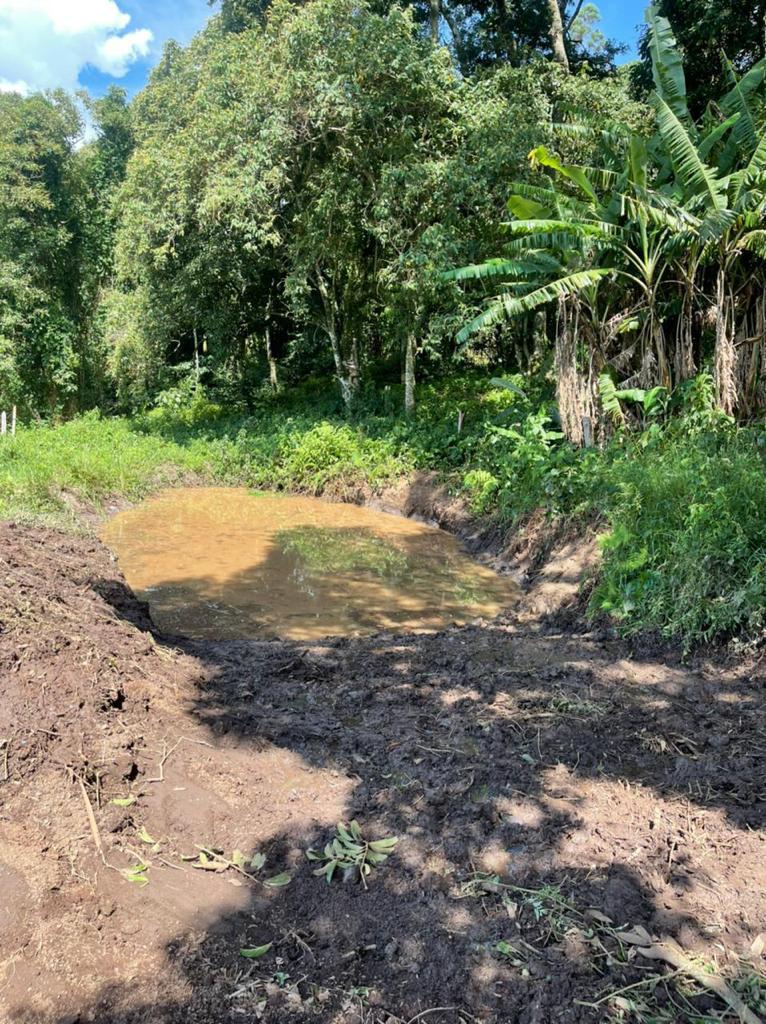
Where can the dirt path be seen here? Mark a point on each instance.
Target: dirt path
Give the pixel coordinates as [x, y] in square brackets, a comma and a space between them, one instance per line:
[548, 791]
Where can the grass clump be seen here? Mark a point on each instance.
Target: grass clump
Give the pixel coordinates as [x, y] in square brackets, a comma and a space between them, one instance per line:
[686, 553]
[88, 459]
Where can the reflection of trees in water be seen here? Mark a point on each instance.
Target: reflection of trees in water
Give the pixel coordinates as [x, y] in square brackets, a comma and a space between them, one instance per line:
[325, 550]
[267, 569]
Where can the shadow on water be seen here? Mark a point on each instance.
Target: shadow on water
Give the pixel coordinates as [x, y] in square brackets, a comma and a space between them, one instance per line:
[583, 778]
[226, 564]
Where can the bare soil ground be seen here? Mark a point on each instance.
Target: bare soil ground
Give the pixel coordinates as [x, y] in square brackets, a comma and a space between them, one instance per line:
[574, 819]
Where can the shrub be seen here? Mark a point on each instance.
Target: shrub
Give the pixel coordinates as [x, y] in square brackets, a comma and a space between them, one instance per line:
[687, 550]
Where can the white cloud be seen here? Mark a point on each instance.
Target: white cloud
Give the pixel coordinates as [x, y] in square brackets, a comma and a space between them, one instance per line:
[45, 43]
[17, 86]
[117, 53]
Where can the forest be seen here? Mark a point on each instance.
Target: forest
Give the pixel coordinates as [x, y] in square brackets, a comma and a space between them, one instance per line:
[383, 521]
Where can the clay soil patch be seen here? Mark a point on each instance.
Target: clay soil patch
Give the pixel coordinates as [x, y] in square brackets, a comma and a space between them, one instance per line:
[551, 795]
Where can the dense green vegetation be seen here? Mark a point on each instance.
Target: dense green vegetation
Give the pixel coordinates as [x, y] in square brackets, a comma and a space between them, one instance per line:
[292, 261]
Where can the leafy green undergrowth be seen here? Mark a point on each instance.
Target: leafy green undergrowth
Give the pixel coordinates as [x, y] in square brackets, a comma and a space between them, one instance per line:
[682, 505]
[686, 554]
[89, 459]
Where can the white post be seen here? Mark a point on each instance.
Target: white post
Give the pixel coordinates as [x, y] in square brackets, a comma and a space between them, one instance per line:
[3, 423]
[13, 421]
[587, 432]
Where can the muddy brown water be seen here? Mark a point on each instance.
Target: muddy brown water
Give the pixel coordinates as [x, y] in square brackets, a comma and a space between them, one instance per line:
[227, 563]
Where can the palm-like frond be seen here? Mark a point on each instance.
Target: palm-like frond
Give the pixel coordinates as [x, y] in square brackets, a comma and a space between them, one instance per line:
[559, 242]
[537, 264]
[542, 156]
[561, 205]
[507, 306]
[715, 135]
[715, 224]
[755, 241]
[582, 228]
[527, 209]
[693, 173]
[653, 211]
[746, 131]
[667, 66]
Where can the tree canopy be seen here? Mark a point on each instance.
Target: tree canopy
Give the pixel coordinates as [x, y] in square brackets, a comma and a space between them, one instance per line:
[297, 185]
[711, 34]
[288, 194]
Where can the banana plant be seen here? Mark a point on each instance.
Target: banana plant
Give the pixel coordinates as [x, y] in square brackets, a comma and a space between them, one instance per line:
[663, 239]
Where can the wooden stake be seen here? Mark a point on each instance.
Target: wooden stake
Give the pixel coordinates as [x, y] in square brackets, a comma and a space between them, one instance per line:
[3, 423]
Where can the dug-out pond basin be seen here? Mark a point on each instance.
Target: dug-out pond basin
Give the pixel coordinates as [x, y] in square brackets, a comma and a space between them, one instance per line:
[221, 563]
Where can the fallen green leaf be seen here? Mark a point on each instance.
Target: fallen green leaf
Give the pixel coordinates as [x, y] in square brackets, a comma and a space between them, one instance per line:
[256, 951]
[278, 880]
[137, 874]
[144, 836]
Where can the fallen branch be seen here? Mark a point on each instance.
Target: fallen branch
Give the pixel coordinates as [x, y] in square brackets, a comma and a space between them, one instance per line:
[92, 821]
[672, 954]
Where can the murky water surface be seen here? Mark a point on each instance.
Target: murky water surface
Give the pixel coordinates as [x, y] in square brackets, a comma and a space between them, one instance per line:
[225, 563]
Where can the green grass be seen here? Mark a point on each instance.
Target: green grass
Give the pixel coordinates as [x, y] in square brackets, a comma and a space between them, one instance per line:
[686, 554]
[88, 459]
[47, 471]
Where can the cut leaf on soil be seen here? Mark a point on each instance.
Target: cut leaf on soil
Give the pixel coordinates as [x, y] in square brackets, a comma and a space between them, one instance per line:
[256, 952]
[278, 880]
[137, 874]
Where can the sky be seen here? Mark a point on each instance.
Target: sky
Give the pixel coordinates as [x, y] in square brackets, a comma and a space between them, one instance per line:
[73, 44]
[621, 20]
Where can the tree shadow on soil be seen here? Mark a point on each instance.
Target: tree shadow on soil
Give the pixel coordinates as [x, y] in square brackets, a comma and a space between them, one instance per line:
[546, 790]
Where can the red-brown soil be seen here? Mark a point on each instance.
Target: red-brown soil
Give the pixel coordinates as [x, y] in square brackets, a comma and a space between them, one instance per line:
[548, 790]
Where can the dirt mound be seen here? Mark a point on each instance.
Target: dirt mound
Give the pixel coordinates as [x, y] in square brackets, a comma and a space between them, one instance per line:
[550, 795]
[77, 656]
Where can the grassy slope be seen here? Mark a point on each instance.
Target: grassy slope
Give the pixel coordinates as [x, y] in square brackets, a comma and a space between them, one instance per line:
[686, 503]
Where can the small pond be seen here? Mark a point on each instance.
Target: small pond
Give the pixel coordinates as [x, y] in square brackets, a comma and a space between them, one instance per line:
[227, 563]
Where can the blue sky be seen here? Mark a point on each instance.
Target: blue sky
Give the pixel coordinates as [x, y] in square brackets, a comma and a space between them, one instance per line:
[93, 43]
[166, 19]
[46, 44]
[621, 20]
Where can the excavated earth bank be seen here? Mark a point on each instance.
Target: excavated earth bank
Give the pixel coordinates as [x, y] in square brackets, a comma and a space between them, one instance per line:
[549, 791]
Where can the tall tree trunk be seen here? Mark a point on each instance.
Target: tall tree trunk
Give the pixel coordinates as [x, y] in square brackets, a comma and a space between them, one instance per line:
[434, 20]
[196, 357]
[409, 374]
[346, 370]
[273, 377]
[569, 384]
[556, 31]
[684, 366]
